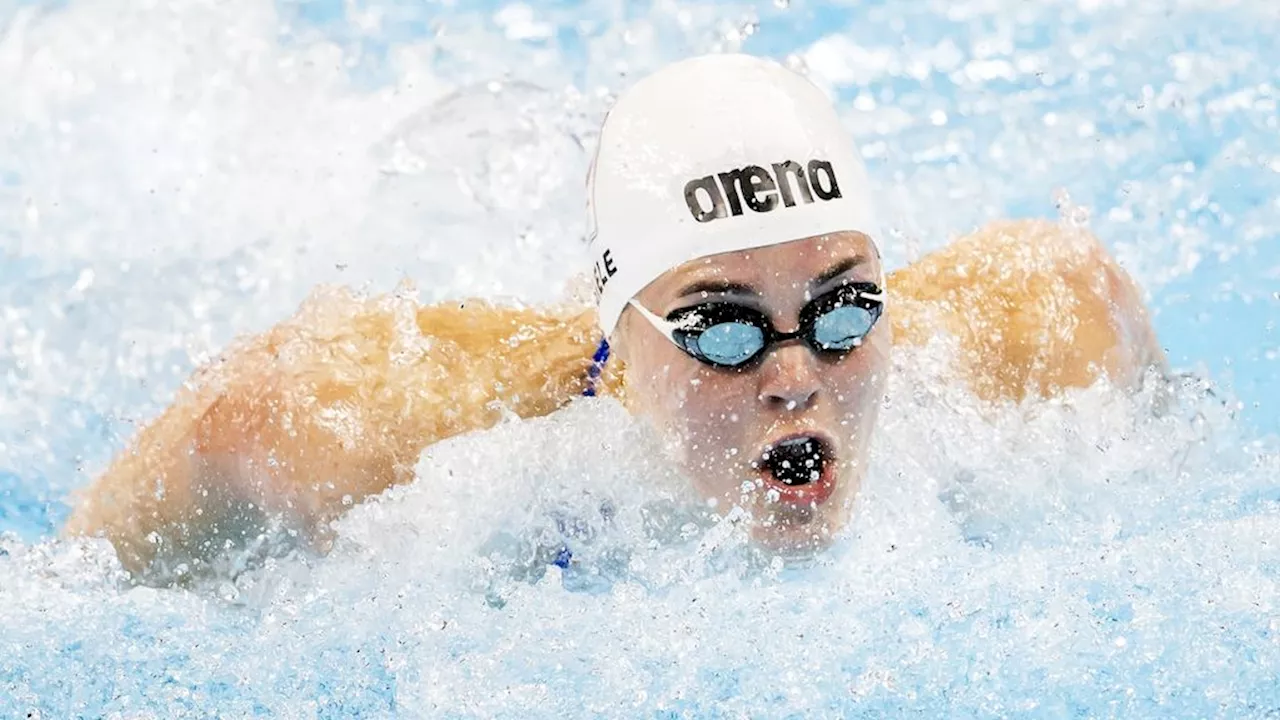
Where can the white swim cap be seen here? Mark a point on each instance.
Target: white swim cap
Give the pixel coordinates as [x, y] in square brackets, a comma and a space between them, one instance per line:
[710, 155]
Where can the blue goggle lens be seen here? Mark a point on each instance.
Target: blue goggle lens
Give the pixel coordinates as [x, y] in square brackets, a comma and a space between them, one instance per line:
[730, 343]
[842, 328]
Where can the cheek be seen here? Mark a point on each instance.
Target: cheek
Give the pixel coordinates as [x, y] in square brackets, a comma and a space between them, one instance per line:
[701, 412]
[717, 407]
[700, 407]
[857, 383]
[715, 431]
[658, 383]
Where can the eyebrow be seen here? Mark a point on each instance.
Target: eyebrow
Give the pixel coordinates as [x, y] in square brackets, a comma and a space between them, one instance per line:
[838, 269]
[713, 285]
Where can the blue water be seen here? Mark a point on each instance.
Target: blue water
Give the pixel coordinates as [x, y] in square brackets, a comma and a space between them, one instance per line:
[173, 176]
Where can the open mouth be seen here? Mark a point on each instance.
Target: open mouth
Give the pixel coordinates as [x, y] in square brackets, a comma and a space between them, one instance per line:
[801, 468]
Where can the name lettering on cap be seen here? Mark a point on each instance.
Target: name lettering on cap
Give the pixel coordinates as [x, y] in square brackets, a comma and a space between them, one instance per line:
[602, 270]
[754, 187]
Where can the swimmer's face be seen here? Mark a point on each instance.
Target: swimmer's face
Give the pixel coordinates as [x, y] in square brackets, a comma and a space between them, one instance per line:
[786, 436]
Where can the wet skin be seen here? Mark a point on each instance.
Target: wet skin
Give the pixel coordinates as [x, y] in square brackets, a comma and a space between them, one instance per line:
[719, 422]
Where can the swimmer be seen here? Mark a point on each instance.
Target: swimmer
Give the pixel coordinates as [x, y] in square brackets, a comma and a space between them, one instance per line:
[737, 262]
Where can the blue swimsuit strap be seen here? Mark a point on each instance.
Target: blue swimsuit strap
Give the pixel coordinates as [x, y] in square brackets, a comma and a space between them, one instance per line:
[565, 556]
[597, 365]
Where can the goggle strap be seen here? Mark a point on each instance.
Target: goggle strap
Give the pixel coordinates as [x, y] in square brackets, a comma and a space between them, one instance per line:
[662, 325]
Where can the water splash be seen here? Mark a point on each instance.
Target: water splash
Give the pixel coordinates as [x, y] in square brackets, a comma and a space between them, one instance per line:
[178, 173]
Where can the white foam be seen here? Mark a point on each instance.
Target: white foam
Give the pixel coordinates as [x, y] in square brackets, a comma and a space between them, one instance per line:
[1081, 557]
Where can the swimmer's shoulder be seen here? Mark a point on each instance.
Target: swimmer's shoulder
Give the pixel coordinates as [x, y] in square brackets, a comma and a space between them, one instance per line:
[1034, 305]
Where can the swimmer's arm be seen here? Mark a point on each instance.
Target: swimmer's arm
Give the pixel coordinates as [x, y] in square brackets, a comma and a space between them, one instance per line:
[327, 408]
[1036, 307]
[247, 439]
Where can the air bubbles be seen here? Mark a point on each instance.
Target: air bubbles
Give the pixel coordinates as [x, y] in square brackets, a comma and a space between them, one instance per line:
[1068, 211]
[735, 36]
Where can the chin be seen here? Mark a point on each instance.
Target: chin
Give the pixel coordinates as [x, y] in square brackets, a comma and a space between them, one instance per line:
[791, 519]
[804, 529]
[795, 531]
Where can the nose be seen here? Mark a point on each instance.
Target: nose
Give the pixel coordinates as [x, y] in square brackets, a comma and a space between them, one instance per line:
[789, 378]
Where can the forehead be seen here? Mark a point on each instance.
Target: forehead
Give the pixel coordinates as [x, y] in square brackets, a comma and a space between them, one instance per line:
[795, 262]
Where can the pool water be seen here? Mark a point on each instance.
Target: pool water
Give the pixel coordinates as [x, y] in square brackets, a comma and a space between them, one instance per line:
[174, 174]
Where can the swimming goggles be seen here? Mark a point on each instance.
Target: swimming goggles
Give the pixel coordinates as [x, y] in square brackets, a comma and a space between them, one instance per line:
[731, 335]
